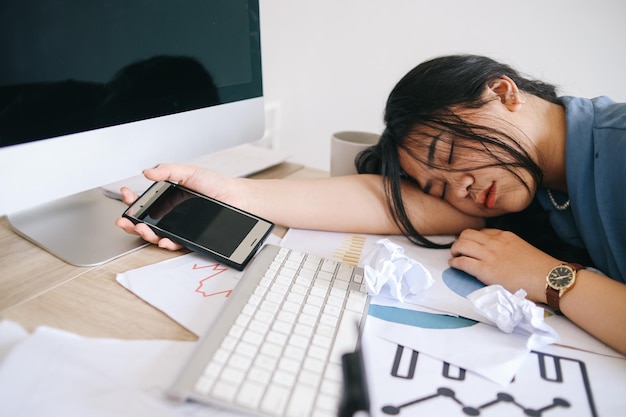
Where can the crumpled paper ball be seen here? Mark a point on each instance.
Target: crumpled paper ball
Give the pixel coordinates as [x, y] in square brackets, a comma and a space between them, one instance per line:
[388, 268]
[513, 313]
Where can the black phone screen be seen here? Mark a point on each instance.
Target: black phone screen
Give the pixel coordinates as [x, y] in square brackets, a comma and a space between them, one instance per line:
[197, 219]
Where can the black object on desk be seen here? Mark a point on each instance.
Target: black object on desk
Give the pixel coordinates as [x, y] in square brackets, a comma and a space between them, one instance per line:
[355, 396]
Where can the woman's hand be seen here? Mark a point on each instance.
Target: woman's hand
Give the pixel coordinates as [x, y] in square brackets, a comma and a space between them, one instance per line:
[202, 180]
[500, 257]
[595, 303]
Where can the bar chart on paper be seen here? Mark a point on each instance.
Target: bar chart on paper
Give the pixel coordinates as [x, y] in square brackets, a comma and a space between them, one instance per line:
[345, 247]
[350, 250]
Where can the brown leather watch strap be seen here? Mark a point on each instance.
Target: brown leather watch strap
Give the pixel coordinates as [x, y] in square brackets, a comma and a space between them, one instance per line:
[552, 295]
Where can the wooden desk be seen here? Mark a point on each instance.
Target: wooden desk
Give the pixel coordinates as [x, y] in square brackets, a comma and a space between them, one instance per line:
[37, 288]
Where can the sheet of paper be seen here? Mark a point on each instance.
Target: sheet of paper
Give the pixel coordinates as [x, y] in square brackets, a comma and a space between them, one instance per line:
[56, 373]
[191, 289]
[474, 346]
[554, 381]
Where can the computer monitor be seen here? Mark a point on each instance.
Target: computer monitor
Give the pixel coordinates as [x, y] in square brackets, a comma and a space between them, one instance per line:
[93, 92]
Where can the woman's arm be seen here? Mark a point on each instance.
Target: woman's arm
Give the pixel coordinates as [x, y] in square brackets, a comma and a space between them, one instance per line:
[596, 303]
[348, 204]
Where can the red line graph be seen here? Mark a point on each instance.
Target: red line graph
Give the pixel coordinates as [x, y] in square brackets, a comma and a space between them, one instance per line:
[215, 269]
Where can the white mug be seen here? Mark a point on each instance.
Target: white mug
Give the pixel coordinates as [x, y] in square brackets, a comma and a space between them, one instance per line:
[345, 146]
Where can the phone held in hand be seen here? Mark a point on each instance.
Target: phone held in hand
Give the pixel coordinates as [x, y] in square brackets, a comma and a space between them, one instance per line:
[200, 223]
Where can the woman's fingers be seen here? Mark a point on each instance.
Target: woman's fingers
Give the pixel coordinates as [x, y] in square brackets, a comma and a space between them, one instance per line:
[170, 172]
[128, 196]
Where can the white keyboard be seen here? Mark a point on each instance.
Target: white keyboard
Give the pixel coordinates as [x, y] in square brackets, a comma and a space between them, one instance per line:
[238, 161]
[277, 345]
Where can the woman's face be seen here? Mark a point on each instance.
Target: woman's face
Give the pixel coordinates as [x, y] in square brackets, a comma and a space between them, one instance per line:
[465, 174]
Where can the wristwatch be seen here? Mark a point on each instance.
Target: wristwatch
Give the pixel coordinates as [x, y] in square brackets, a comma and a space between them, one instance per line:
[560, 279]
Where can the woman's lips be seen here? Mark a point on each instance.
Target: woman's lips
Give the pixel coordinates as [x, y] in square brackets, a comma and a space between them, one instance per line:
[488, 197]
[490, 202]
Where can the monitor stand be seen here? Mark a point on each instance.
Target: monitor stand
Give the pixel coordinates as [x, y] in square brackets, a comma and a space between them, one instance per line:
[78, 229]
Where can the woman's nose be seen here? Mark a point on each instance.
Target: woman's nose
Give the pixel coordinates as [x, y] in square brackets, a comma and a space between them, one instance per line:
[462, 184]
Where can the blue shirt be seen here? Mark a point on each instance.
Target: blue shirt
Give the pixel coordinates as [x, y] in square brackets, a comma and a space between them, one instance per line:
[596, 182]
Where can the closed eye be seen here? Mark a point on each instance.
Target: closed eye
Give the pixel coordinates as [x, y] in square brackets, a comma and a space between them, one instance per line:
[451, 153]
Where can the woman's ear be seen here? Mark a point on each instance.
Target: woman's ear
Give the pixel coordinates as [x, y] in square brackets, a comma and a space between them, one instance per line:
[505, 89]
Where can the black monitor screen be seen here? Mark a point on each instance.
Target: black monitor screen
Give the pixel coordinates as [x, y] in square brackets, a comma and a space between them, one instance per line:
[74, 65]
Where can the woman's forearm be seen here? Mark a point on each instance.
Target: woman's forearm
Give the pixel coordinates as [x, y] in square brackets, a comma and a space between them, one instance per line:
[348, 204]
[597, 304]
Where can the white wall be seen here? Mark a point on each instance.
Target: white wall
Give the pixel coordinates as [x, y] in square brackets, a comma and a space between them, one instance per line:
[329, 64]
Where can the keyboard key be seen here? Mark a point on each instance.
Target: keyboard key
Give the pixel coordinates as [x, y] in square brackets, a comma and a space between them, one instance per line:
[315, 299]
[286, 317]
[204, 384]
[264, 316]
[331, 309]
[247, 349]
[301, 401]
[324, 276]
[221, 356]
[224, 391]
[329, 265]
[337, 291]
[345, 272]
[309, 378]
[291, 307]
[287, 364]
[259, 326]
[269, 306]
[239, 362]
[252, 337]
[299, 341]
[232, 375]
[276, 337]
[303, 330]
[328, 403]
[347, 335]
[259, 375]
[307, 273]
[330, 387]
[307, 320]
[296, 256]
[284, 378]
[295, 298]
[283, 325]
[335, 301]
[250, 394]
[333, 373]
[313, 365]
[355, 305]
[265, 362]
[294, 352]
[312, 310]
[271, 350]
[318, 352]
[275, 400]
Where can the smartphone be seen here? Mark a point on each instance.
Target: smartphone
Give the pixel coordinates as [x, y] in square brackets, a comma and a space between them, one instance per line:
[200, 223]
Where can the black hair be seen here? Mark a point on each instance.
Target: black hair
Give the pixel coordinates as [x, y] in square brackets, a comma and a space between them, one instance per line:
[424, 97]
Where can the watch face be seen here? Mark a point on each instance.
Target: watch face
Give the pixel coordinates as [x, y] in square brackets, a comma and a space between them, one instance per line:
[561, 277]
